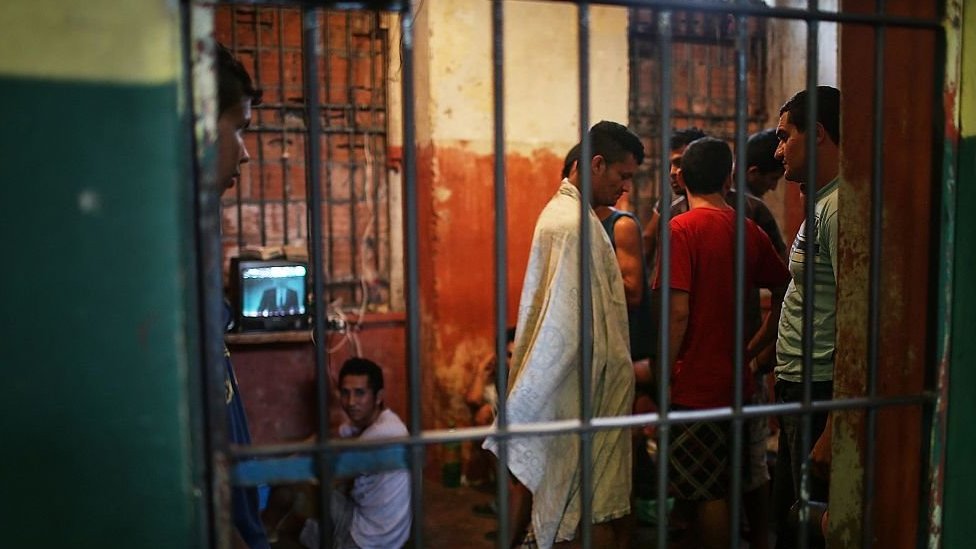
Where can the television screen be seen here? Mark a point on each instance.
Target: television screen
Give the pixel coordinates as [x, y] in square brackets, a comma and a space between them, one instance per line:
[269, 294]
[272, 290]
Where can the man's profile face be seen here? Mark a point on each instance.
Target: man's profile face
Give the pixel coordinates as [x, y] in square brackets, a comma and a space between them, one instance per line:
[611, 180]
[231, 152]
[761, 183]
[792, 150]
[677, 187]
[359, 401]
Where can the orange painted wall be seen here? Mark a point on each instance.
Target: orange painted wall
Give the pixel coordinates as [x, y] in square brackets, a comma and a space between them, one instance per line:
[457, 242]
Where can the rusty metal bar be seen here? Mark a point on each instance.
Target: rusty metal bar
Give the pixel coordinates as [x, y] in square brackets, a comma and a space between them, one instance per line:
[664, 368]
[586, 291]
[738, 368]
[312, 39]
[501, 267]
[412, 243]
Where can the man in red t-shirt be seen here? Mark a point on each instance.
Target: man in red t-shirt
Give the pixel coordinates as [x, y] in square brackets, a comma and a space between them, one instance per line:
[702, 329]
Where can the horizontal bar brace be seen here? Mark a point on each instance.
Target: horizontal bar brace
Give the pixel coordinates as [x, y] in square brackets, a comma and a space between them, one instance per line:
[676, 5]
[302, 468]
[781, 13]
[570, 426]
[374, 5]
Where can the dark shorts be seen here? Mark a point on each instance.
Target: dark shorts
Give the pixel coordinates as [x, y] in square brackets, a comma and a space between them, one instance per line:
[699, 461]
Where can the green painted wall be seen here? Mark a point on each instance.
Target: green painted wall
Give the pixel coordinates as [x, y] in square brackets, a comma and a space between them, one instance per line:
[94, 212]
[960, 478]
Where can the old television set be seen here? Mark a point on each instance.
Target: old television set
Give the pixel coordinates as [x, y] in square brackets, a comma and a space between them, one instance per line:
[270, 294]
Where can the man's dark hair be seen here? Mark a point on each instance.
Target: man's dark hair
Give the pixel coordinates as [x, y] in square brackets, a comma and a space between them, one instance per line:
[760, 151]
[828, 111]
[510, 334]
[681, 138]
[233, 81]
[572, 157]
[358, 366]
[614, 141]
[706, 164]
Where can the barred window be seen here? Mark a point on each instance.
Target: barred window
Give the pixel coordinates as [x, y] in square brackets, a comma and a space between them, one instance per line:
[702, 83]
[269, 208]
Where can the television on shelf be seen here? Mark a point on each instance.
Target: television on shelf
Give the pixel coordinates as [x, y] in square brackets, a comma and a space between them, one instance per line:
[270, 294]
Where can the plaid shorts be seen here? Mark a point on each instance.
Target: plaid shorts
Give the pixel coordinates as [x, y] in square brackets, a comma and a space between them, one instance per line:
[699, 460]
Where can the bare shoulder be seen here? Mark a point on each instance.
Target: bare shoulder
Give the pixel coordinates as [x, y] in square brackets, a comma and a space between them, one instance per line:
[626, 231]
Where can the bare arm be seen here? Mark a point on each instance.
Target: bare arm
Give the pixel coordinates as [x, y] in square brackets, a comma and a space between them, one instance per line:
[679, 323]
[628, 240]
[821, 453]
[767, 332]
[650, 244]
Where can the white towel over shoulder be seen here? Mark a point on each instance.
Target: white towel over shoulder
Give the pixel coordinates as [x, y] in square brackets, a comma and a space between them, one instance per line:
[544, 378]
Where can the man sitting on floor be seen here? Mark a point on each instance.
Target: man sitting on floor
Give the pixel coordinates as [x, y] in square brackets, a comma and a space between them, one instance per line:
[373, 509]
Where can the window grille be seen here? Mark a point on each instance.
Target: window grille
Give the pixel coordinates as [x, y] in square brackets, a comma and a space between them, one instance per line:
[269, 206]
[703, 83]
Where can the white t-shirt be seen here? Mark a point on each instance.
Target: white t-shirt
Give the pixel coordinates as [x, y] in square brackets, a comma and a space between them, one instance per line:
[381, 515]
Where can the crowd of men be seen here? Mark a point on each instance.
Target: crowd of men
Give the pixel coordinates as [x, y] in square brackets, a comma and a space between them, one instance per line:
[372, 510]
[544, 377]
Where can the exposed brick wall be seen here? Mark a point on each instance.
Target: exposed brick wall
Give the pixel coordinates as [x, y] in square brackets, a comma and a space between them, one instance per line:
[270, 206]
[703, 68]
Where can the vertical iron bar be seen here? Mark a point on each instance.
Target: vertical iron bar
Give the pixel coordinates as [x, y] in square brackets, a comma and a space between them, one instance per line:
[259, 134]
[810, 236]
[690, 67]
[411, 241]
[874, 288]
[283, 113]
[946, 70]
[326, 18]
[741, 81]
[501, 265]
[664, 429]
[350, 111]
[709, 86]
[633, 93]
[586, 303]
[371, 139]
[212, 439]
[238, 191]
[312, 43]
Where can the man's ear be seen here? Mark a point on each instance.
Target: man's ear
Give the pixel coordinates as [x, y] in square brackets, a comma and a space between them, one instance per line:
[379, 397]
[680, 178]
[598, 164]
[821, 133]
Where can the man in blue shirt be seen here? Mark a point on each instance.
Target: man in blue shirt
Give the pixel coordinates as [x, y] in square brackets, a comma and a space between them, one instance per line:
[236, 94]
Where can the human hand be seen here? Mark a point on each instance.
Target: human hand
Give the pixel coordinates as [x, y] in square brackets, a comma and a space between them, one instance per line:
[820, 455]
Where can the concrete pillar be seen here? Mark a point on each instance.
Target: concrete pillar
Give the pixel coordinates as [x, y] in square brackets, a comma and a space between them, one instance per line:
[97, 302]
[455, 136]
[909, 222]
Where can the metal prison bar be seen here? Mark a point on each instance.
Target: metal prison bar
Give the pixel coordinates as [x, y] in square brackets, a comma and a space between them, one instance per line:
[329, 453]
[501, 260]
